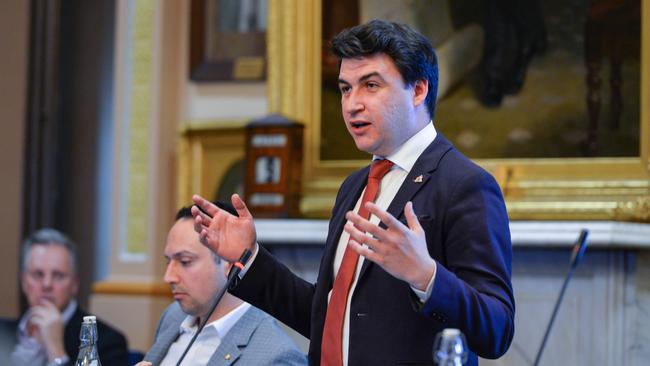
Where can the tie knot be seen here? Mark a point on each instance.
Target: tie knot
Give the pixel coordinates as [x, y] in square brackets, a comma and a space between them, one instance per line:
[379, 168]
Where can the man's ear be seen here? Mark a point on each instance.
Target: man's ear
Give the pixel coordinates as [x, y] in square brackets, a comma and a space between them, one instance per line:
[75, 286]
[74, 289]
[23, 281]
[420, 91]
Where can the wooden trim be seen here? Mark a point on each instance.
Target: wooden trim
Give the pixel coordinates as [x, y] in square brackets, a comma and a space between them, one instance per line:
[205, 155]
[132, 289]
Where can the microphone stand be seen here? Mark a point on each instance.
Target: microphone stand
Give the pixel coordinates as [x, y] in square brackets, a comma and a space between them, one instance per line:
[232, 275]
[576, 256]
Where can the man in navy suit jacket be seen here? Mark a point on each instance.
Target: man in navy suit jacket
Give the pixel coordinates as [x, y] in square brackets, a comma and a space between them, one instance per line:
[436, 251]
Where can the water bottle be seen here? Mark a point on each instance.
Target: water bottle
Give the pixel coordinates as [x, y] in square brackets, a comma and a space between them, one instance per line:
[88, 349]
[450, 348]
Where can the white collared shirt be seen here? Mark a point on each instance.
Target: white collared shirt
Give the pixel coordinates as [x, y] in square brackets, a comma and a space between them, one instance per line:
[206, 343]
[404, 158]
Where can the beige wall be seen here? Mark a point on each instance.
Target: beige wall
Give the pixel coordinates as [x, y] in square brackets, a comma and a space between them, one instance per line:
[14, 35]
[173, 100]
[212, 102]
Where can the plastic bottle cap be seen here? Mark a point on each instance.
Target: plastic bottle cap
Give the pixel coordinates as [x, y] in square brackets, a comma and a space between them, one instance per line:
[90, 319]
[450, 332]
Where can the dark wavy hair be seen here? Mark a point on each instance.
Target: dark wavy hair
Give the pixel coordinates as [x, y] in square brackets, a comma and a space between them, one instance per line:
[411, 51]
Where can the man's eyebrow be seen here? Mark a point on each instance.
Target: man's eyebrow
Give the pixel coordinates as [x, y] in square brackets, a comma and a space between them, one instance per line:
[342, 81]
[364, 77]
[371, 75]
[182, 253]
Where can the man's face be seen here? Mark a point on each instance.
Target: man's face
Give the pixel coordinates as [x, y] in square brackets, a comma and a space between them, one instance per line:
[378, 108]
[192, 272]
[48, 276]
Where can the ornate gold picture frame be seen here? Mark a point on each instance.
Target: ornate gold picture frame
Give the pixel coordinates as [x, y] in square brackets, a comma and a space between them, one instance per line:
[557, 189]
[221, 47]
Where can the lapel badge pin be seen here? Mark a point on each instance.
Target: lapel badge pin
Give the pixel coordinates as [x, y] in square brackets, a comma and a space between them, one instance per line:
[418, 179]
[227, 357]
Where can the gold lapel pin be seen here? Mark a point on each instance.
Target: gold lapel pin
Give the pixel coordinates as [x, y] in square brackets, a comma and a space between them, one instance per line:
[418, 179]
[227, 356]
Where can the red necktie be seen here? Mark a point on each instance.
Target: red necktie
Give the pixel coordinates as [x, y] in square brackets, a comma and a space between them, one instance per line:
[331, 347]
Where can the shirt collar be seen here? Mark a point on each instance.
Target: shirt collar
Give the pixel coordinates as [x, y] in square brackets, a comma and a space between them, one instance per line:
[408, 153]
[222, 325]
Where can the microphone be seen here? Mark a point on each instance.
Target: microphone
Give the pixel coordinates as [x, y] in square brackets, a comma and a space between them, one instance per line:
[577, 253]
[239, 265]
[232, 275]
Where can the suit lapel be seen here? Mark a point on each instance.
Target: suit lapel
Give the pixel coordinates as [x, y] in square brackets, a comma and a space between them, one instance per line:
[416, 179]
[162, 345]
[168, 333]
[71, 332]
[236, 340]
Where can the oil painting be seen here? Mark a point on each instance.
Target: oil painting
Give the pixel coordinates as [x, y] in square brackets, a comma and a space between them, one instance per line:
[518, 79]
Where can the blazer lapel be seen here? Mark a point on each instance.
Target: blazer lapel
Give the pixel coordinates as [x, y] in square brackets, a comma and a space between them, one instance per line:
[160, 348]
[236, 340]
[416, 179]
[167, 335]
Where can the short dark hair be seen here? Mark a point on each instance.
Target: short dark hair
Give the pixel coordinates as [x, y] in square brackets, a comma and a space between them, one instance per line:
[186, 212]
[45, 237]
[412, 52]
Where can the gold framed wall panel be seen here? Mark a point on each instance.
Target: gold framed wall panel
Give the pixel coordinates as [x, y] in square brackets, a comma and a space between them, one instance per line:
[557, 189]
[206, 151]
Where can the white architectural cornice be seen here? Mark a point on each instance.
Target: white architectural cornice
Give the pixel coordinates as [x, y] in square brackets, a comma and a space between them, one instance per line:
[603, 234]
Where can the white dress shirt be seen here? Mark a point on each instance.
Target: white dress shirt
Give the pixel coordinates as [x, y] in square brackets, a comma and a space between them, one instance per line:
[206, 343]
[404, 158]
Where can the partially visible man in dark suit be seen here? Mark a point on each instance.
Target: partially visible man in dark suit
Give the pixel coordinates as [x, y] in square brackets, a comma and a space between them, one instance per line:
[422, 246]
[48, 332]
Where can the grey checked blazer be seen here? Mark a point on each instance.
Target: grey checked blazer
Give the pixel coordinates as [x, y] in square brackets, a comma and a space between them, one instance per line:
[256, 339]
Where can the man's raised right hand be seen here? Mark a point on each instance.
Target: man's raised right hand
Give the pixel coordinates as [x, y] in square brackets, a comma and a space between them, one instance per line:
[225, 234]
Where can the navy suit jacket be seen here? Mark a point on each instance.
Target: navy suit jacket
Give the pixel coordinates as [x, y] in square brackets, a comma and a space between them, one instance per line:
[462, 211]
